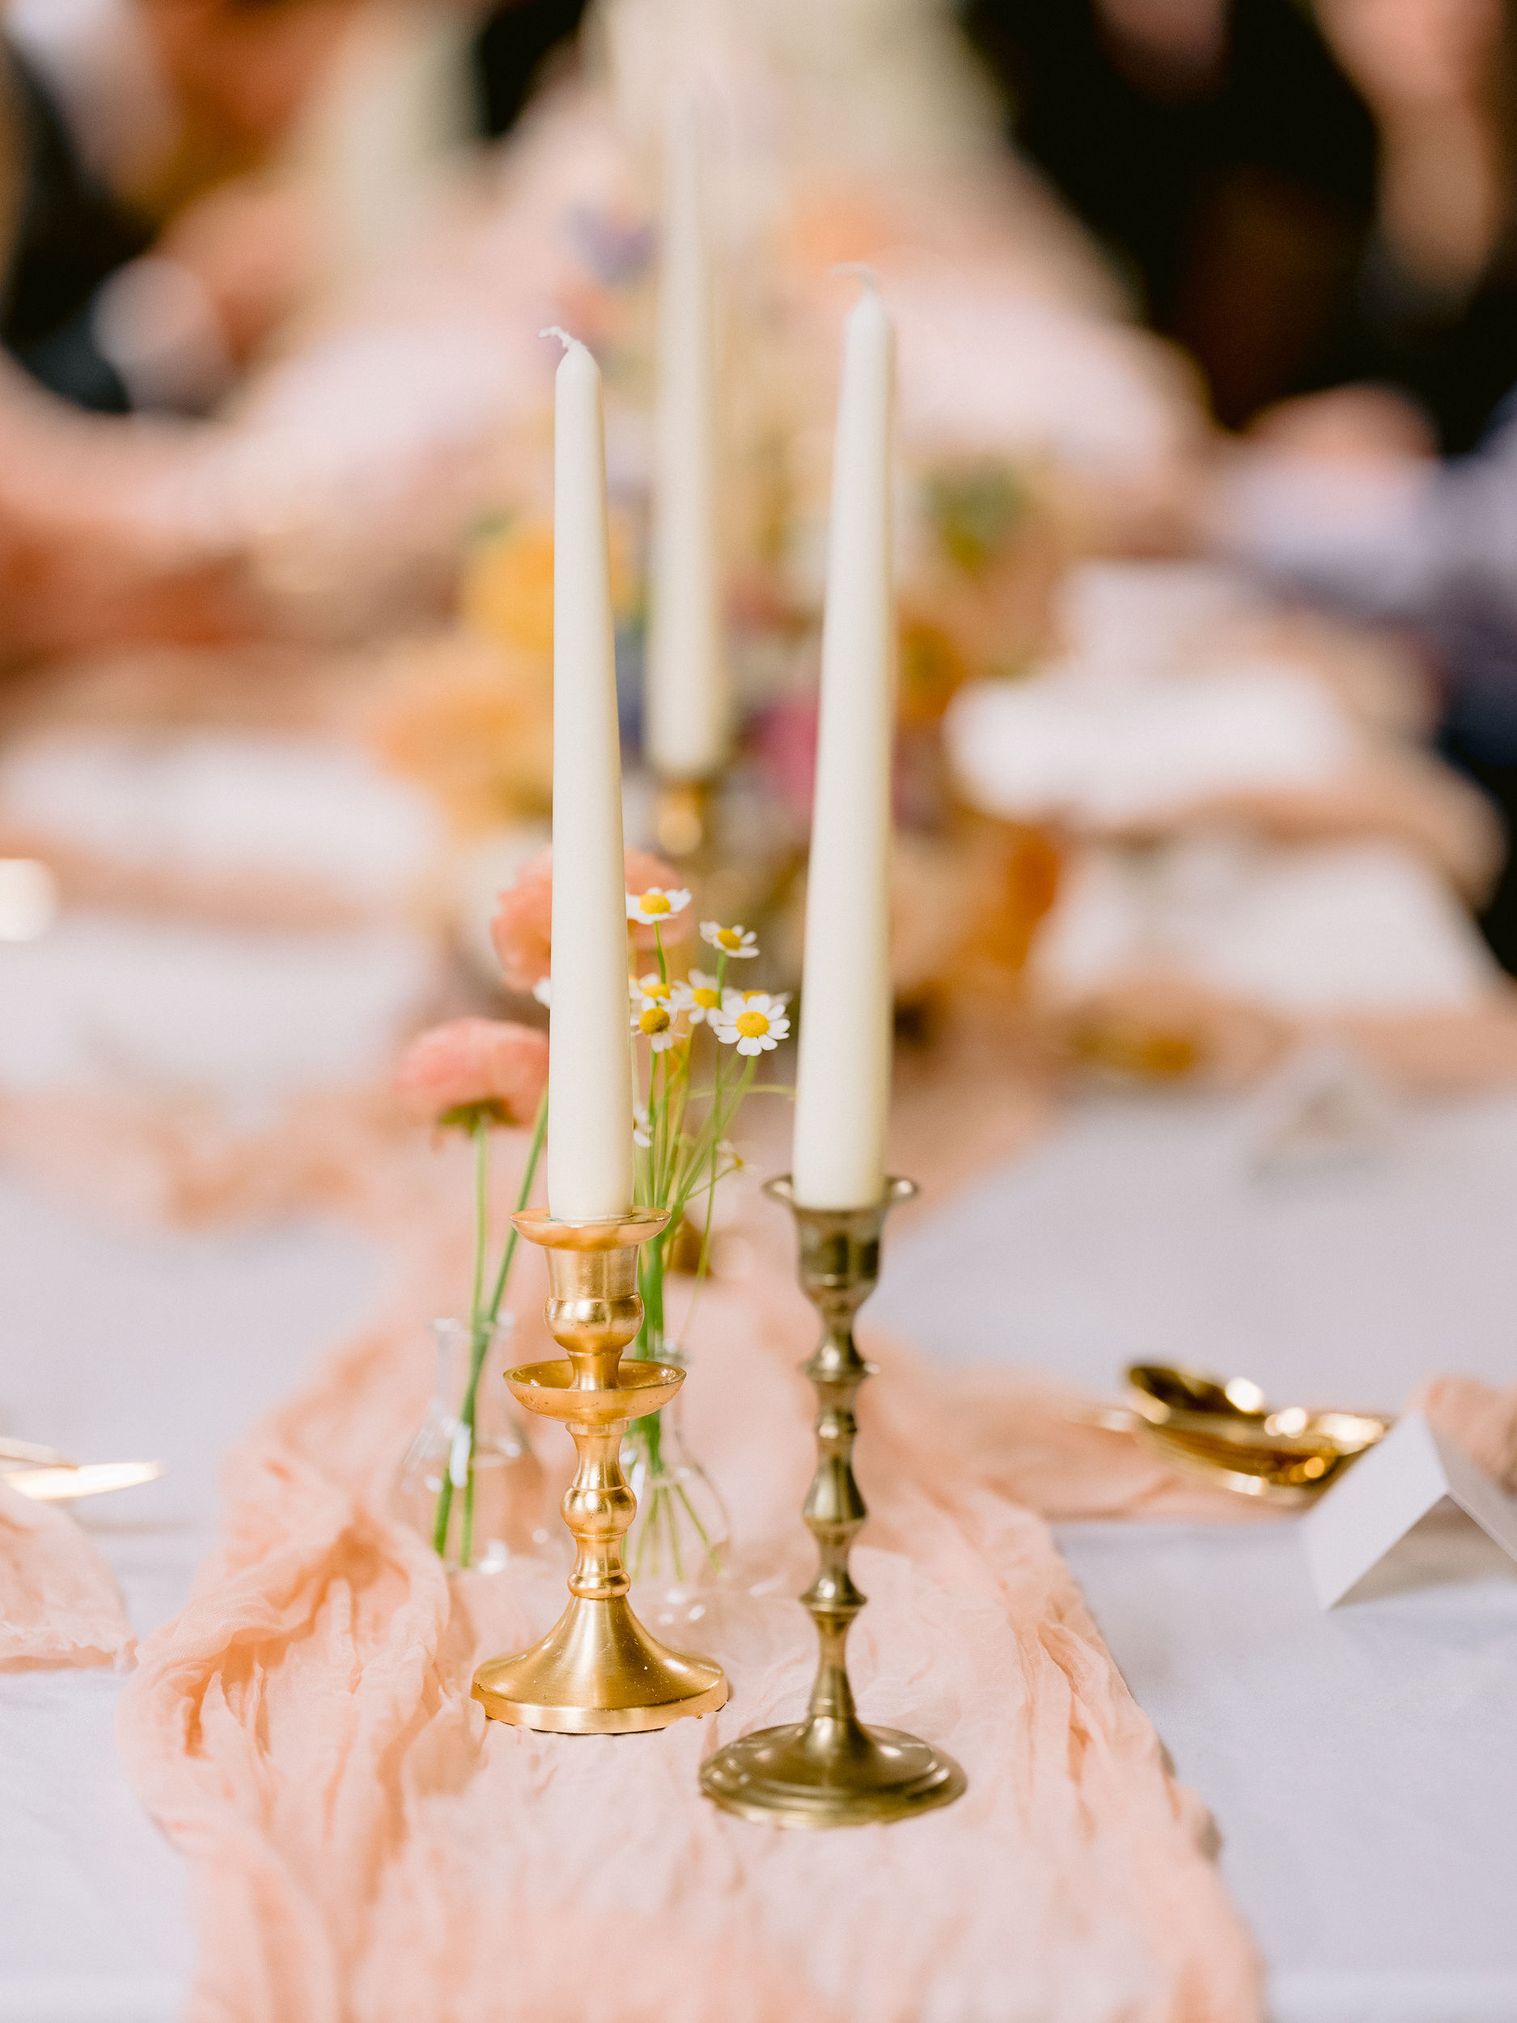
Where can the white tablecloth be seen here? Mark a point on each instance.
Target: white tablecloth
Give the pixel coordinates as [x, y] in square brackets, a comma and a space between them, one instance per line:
[1361, 1765]
[116, 1344]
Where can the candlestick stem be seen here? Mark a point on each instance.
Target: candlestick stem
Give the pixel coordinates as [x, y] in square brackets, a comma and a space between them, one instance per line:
[829, 1769]
[598, 1671]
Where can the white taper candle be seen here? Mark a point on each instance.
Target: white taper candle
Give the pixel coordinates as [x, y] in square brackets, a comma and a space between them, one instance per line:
[843, 1075]
[589, 1060]
[688, 695]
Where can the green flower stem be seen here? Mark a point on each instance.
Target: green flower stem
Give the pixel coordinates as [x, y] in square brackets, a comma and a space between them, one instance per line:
[482, 1320]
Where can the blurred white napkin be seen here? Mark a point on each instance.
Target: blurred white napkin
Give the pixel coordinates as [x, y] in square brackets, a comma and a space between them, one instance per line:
[1105, 749]
[1147, 617]
[250, 1018]
[221, 803]
[1347, 927]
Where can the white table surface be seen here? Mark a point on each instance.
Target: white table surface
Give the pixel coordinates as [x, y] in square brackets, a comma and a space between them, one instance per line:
[116, 1343]
[1361, 1765]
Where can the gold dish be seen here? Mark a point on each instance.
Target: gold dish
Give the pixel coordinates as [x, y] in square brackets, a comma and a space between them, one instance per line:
[1234, 1409]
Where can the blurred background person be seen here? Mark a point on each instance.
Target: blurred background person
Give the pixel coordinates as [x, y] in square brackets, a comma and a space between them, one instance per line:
[1219, 154]
[151, 259]
[161, 238]
[181, 174]
[1303, 197]
[1344, 500]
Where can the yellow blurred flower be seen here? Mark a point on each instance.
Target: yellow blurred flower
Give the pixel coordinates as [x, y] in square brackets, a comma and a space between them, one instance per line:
[471, 724]
[506, 590]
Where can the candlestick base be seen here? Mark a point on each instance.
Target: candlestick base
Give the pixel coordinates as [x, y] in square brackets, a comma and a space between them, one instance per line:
[598, 1671]
[823, 1772]
[829, 1769]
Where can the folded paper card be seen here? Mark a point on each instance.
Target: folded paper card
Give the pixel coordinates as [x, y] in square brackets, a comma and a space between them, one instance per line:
[1413, 1481]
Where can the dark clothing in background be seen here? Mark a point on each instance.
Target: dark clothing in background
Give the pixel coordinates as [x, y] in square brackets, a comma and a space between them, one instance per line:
[509, 52]
[1237, 199]
[71, 236]
[1239, 202]
[1456, 355]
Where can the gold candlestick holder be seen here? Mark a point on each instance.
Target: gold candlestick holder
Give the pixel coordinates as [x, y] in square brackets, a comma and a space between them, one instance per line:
[829, 1769]
[598, 1671]
[684, 823]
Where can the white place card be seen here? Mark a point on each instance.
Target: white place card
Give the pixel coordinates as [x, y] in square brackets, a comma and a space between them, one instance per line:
[1413, 1512]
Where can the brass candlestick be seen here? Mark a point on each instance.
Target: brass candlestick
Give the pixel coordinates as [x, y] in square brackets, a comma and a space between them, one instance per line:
[684, 820]
[597, 1671]
[830, 1770]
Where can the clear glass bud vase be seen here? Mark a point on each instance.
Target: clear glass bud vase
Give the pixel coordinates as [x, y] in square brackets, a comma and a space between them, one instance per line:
[677, 1548]
[469, 1483]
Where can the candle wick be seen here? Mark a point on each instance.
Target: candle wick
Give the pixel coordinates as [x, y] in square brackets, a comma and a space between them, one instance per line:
[861, 271]
[565, 338]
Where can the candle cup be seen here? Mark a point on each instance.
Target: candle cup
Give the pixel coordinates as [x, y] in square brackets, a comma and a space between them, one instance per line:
[830, 1769]
[684, 821]
[598, 1671]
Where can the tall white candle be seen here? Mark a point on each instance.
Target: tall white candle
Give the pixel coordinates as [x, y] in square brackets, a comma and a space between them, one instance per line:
[688, 697]
[589, 1060]
[843, 1078]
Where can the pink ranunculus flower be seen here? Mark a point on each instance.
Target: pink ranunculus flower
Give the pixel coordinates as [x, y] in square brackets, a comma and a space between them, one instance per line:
[452, 1072]
[523, 925]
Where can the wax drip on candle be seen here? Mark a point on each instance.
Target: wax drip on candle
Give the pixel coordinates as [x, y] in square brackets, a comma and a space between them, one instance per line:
[858, 270]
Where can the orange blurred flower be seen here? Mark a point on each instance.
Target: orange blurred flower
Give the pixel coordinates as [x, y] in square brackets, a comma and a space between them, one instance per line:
[522, 929]
[454, 1073]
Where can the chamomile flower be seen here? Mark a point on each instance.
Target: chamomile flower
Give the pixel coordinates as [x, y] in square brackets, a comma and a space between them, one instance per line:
[755, 1027]
[642, 1130]
[701, 997]
[654, 1022]
[654, 989]
[737, 943]
[655, 906]
[736, 1000]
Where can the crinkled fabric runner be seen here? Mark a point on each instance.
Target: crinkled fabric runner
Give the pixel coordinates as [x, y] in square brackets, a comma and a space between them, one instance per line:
[363, 1844]
[58, 1602]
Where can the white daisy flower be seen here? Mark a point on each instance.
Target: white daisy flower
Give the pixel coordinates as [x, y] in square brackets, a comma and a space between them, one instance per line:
[653, 907]
[642, 1130]
[737, 943]
[542, 990]
[654, 1023]
[652, 989]
[735, 1000]
[755, 1027]
[702, 997]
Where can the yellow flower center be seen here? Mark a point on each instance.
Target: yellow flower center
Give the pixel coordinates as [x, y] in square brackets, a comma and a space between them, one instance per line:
[655, 902]
[730, 937]
[653, 1020]
[654, 987]
[705, 997]
[752, 1025]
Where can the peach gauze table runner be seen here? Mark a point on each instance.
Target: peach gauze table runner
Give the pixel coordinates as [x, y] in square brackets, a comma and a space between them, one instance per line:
[58, 1602]
[363, 1844]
